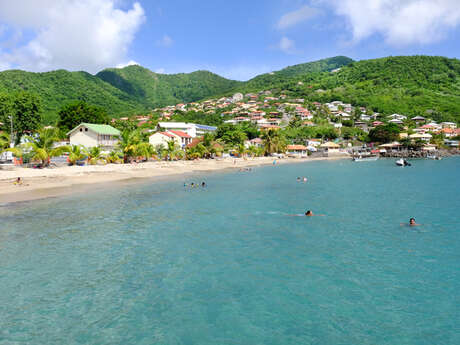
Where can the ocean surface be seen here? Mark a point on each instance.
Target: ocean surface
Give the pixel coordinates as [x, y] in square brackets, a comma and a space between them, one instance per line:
[160, 263]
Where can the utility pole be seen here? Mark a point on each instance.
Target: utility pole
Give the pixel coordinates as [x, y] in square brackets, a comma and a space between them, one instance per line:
[11, 132]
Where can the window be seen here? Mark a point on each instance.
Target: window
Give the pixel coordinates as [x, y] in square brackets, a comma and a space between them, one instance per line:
[81, 129]
[86, 129]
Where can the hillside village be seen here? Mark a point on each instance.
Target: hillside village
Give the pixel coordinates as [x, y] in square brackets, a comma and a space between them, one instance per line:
[252, 124]
[265, 111]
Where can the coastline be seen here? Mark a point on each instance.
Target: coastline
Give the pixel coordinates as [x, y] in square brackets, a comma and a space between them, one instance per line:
[54, 182]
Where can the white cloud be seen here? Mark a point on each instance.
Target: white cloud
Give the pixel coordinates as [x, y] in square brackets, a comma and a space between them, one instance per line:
[295, 17]
[165, 41]
[160, 71]
[72, 34]
[400, 22]
[129, 63]
[286, 45]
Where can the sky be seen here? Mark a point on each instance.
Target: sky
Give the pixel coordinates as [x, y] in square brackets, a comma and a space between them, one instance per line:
[236, 39]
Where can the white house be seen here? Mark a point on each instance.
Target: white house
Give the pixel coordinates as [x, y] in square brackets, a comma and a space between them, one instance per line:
[191, 129]
[182, 139]
[397, 117]
[92, 135]
[162, 138]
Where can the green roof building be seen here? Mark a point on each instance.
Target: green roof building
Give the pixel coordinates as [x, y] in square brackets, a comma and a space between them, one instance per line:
[91, 135]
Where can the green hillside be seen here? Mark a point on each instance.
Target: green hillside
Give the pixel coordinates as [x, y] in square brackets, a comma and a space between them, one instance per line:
[155, 90]
[60, 87]
[269, 80]
[412, 85]
[123, 91]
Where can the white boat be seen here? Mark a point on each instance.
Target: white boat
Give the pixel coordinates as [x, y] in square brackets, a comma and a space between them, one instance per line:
[438, 158]
[367, 158]
[402, 163]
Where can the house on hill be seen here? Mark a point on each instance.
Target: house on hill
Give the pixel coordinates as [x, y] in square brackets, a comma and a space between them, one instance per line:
[92, 135]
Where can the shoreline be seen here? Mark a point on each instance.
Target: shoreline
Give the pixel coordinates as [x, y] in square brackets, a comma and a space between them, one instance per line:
[61, 181]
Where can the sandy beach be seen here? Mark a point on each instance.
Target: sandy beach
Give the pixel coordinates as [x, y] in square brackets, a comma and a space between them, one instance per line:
[52, 182]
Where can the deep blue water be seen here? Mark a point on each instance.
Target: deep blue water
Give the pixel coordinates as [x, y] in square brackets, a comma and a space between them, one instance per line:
[156, 263]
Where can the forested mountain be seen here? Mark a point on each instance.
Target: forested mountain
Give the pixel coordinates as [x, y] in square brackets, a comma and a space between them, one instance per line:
[268, 80]
[408, 84]
[124, 91]
[155, 90]
[57, 88]
[412, 85]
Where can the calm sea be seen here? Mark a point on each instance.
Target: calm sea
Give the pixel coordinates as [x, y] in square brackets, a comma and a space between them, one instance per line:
[158, 263]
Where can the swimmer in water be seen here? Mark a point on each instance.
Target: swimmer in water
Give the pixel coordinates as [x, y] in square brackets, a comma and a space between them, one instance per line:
[298, 179]
[412, 222]
[308, 213]
[305, 179]
[203, 184]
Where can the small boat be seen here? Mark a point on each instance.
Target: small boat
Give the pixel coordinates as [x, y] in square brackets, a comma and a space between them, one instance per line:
[438, 158]
[366, 158]
[402, 163]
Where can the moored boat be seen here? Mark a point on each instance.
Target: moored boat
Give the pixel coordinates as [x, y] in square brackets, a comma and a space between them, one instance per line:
[402, 163]
[367, 158]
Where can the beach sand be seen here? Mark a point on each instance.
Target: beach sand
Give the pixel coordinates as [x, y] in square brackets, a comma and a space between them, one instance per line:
[52, 182]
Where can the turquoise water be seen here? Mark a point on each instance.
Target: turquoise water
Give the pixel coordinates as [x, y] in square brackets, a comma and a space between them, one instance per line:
[155, 263]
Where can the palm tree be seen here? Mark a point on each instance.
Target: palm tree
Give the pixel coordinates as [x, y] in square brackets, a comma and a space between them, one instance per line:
[133, 145]
[144, 150]
[241, 149]
[273, 141]
[114, 157]
[172, 151]
[4, 141]
[42, 147]
[95, 155]
[77, 153]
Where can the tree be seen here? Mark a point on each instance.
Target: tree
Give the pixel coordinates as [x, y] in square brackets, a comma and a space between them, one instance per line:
[95, 155]
[172, 151]
[71, 115]
[273, 141]
[77, 153]
[25, 110]
[42, 148]
[384, 133]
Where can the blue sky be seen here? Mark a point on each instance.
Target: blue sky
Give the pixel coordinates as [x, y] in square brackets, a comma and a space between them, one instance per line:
[236, 39]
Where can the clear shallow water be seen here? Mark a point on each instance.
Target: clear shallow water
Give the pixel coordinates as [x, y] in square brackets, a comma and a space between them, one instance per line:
[160, 264]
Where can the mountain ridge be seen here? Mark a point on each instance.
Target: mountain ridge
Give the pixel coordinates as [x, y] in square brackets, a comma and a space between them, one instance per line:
[410, 84]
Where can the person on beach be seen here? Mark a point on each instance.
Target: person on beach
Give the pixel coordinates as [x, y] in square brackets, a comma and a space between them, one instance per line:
[18, 182]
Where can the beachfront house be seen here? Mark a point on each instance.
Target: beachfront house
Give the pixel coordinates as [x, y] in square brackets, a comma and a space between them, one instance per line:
[296, 150]
[162, 138]
[192, 129]
[181, 139]
[94, 135]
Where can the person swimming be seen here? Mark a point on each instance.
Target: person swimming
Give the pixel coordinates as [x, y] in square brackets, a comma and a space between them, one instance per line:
[203, 184]
[298, 179]
[309, 213]
[18, 181]
[305, 179]
[412, 222]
